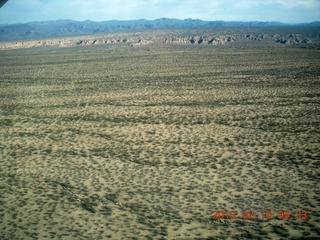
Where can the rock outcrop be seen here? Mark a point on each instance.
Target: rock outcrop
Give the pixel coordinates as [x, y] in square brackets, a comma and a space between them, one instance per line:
[136, 39]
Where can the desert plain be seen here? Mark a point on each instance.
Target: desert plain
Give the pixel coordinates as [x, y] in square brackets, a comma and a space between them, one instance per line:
[127, 141]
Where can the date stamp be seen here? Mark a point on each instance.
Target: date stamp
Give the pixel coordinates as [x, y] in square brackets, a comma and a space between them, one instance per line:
[263, 214]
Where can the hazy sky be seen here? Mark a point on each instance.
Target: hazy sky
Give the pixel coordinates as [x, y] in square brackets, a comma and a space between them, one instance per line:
[288, 11]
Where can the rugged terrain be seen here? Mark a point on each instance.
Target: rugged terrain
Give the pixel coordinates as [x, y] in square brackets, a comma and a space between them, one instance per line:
[276, 36]
[112, 141]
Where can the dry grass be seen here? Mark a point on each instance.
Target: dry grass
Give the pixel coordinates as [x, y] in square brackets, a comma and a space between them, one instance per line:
[144, 143]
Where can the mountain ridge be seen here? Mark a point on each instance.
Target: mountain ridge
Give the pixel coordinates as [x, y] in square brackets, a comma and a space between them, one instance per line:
[67, 27]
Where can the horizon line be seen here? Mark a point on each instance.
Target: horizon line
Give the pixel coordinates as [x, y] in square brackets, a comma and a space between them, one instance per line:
[179, 19]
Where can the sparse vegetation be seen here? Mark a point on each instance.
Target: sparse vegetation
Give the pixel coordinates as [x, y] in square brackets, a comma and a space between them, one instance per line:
[120, 142]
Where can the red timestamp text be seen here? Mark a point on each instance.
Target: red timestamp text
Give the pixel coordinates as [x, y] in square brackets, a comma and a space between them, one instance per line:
[263, 214]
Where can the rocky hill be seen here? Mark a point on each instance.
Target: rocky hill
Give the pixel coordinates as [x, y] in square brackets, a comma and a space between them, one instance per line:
[277, 36]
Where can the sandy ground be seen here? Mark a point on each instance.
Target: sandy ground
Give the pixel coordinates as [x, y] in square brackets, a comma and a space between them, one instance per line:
[127, 143]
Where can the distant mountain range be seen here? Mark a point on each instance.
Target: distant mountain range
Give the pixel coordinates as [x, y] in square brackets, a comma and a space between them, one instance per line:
[58, 28]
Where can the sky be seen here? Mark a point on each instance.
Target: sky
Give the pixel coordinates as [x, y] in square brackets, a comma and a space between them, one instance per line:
[287, 11]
